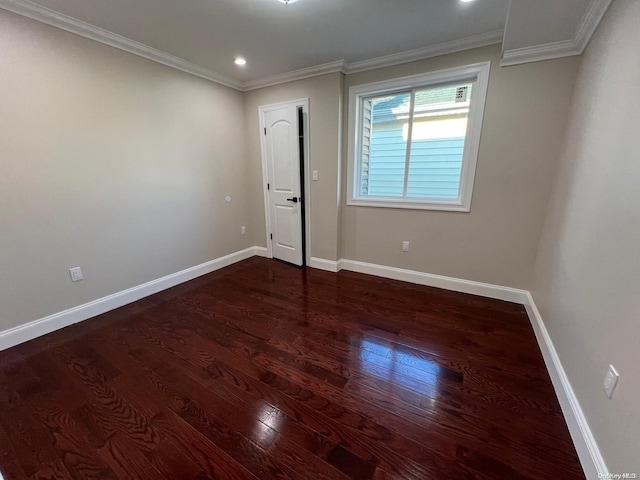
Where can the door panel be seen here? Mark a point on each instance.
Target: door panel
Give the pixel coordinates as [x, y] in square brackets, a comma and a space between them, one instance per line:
[284, 235]
[283, 171]
[281, 154]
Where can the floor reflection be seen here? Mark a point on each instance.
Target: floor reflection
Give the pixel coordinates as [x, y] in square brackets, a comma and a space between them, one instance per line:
[266, 425]
[399, 367]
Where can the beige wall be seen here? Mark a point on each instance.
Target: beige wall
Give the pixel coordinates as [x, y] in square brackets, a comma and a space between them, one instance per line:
[120, 165]
[324, 94]
[109, 162]
[587, 272]
[496, 242]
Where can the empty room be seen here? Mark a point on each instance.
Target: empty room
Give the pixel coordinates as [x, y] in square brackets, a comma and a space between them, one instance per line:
[319, 239]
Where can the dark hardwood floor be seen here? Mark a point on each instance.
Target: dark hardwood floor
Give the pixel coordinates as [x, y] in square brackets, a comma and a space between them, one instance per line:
[263, 370]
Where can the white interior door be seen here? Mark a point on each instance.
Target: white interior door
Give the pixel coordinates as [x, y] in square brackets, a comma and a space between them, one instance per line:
[283, 177]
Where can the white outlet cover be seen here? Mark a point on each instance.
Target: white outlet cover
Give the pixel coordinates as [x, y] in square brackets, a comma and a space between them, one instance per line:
[610, 381]
[405, 246]
[76, 274]
[315, 175]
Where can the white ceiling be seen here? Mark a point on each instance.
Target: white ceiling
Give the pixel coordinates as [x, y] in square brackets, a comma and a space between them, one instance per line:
[277, 38]
[558, 19]
[204, 36]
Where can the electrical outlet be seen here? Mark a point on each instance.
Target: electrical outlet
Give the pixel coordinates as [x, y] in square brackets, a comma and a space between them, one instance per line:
[243, 230]
[76, 274]
[405, 246]
[315, 175]
[610, 381]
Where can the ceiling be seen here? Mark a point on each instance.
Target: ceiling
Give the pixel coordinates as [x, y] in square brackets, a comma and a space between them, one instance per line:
[558, 17]
[276, 38]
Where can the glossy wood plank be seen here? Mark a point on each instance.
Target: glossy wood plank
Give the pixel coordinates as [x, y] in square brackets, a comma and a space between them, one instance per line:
[263, 371]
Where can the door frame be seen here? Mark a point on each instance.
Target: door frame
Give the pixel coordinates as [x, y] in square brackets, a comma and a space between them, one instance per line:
[306, 204]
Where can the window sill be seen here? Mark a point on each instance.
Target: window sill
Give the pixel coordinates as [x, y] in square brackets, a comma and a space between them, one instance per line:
[408, 205]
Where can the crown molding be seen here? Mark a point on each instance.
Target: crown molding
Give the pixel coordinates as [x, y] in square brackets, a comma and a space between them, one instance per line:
[575, 46]
[590, 22]
[338, 66]
[565, 48]
[37, 12]
[64, 22]
[537, 53]
[343, 66]
[467, 43]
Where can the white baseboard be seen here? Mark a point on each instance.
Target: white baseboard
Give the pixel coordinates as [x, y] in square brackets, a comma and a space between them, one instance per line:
[588, 452]
[590, 457]
[439, 281]
[37, 328]
[586, 446]
[261, 252]
[322, 264]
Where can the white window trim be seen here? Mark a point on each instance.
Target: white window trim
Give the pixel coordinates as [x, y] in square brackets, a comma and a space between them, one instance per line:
[479, 71]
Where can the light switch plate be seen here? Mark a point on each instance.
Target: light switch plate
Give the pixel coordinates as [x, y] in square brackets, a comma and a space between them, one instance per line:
[610, 381]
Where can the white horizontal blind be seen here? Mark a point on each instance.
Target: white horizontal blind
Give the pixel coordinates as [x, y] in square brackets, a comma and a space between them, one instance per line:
[437, 130]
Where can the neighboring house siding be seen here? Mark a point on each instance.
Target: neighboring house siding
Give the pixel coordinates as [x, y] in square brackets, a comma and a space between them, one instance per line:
[387, 159]
[434, 169]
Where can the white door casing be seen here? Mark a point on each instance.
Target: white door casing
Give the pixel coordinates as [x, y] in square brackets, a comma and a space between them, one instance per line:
[283, 195]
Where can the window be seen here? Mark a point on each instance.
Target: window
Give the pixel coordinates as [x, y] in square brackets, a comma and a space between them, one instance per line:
[413, 141]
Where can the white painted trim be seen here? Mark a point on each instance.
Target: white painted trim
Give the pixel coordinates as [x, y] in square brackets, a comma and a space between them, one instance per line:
[564, 48]
[261, 252]
[537, 53]
[48, 16]
[504, 31]
[439, 281]
[322, 264]
[265, 180]
[386, 202]
[467, 43]
[588, 452]
[37, 328]
[590, 22]
[575, 46]
[583, 439]
[304, 103]
[42, 14]
[590, 457]
[479, 72]
[421, 278]
[333, 67]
